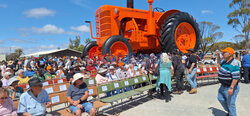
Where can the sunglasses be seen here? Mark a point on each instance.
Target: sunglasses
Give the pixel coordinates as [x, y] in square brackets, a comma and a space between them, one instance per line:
[2, 98]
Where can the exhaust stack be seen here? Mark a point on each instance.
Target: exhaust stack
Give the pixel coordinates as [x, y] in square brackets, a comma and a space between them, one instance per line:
[130, 3]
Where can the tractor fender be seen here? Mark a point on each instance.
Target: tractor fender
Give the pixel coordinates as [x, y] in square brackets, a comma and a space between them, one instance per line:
[164, 16]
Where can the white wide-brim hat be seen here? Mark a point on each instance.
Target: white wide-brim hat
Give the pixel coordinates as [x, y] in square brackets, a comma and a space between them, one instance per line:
[102, 70]
[76, 77]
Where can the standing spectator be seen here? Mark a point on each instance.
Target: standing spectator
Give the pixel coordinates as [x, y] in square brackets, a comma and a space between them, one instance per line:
[20, 76]
[5, 81]
[3, 67]
[68, 64]
[34, 101]
[33, 64]
[246, 66]
[70, 74]
[14, 90]
[164, 81]
[192, 69]
[7, 107]
[229, 75]
[178, 71]
[77, 96]
[101, 76]
[40, 63]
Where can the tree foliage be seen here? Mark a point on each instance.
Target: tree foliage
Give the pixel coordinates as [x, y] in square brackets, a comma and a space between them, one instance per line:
[19, 52]
[209, 35]
[76, 43]
[87, 41]
[239, 18]
[223, 44]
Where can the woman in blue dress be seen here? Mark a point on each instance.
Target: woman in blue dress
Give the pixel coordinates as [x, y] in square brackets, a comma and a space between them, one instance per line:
[164, 81]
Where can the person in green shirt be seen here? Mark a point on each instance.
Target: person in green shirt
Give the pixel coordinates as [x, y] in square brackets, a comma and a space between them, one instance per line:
[39, 75]
[48, 74]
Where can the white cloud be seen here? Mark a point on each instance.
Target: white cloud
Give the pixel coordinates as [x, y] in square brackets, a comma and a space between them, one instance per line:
[48, 29]
[82, 3]
[207, 12]
[26, 41]
[81, 28]
[39, 12]
[3, 5]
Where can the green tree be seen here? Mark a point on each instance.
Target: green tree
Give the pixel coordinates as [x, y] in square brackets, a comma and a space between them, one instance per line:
[222, 45]
[75, 43]
[19, 52]
[87, 41]
[239, 19]
[209, 34]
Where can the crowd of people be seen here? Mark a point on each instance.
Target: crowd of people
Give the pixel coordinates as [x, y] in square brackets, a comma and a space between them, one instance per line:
[34, 71]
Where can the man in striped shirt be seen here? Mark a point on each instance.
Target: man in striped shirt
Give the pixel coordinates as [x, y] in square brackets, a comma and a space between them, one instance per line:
[229, 75]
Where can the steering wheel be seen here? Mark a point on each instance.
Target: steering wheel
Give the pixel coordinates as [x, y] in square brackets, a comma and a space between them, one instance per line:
[158, 9]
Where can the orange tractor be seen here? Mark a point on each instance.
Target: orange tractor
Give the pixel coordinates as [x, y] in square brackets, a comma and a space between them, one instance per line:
[123, 31]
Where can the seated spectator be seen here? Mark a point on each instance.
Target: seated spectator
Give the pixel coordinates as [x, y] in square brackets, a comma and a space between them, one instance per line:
[14, 90]
[84, 73]
[77, 68]
[20, 76]
[100, 77]
[127, 71]
[6, 78]
[120, 70]
[70, 74]
[39, 74]
[34, 101]
[112, 76]
[29, 72]
[60, 72]
[131, 70]
[48, 74]
[7, 107]
[90, 66]
[77, 96]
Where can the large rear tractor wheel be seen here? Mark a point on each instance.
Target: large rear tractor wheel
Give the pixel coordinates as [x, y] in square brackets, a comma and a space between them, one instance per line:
[90, 49]
[117, 45]
[179, 31]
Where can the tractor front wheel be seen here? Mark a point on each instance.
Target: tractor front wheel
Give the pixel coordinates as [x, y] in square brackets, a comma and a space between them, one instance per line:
[117, 45]
[179, 31]
[90, 49]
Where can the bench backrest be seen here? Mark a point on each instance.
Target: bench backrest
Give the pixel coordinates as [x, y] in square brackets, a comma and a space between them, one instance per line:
[58, 98]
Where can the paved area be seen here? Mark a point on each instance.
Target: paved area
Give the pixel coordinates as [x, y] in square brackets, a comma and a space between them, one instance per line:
[204, 103]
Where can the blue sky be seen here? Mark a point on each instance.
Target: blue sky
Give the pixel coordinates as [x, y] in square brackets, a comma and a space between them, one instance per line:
[39, 25]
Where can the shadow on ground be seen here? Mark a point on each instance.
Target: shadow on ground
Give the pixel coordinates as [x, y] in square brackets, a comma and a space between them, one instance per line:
[217, 112]
[125, 105]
